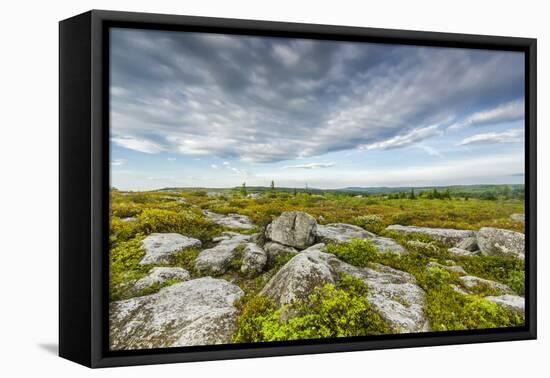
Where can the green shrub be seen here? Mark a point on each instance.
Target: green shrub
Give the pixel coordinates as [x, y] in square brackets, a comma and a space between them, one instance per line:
[371, 222]
[124, 267]
[358, 252]
[340, 310]
[186, 260]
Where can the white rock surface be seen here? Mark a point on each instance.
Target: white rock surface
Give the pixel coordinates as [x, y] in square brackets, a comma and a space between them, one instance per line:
[216, 260]
[160, 248]
[196, 312]
[343, 232]
[254, 260]
[470, 282]
[161, 274]
[448, 236]
[512, 302]
[294, 229]
[499, 242]
[235, 221]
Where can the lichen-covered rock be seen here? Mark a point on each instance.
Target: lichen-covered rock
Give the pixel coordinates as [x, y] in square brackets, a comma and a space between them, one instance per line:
[195, 312]
[298, 277]
[499, 242]
[161, 274]
[518, 218]
[294, 229]
[472, 282]
[459, 252]
[450, 268]
[394, 294]
[160, 248]
[447, 236]
[275, 249]
[388, 245]
[511, 302]
[343, 232]
[236, 221]
[469, 244]
[254, 260]
[216, 260]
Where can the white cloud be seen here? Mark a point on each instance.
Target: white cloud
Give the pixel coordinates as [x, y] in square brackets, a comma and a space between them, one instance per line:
[117, 162]
[141, 145]
[511, 111]
[509, 136]
[288, 56]
[407, 139]
[430, 150]
[214, 166]
[226, 163]
[171, 159]
[310, 166]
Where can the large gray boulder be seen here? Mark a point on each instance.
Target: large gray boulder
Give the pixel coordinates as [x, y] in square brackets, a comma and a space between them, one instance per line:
[216, 260]
[196, 312]
[499, 242]
[235, 221]
[343, 232]
[294, 229]
[511, 302]
[161, 274]
[160, 248]
[303, 273]
[472, 282]
[447, 236]
[394, 294]
[254, 260]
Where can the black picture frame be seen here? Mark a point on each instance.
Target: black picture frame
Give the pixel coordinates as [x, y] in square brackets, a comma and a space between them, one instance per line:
[84, 187]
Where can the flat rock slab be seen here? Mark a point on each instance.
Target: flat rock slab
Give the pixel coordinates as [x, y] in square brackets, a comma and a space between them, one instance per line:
[294, 229]
[235, 221]
[512, 302]
[343, 233]
[216, 260]
[160, 248]
[459, 252]
[161, 274]
[471, 282]
[447, 236]
[196, 312]
[499, 242]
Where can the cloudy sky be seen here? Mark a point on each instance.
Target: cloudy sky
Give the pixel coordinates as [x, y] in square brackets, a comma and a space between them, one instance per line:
[211, 110]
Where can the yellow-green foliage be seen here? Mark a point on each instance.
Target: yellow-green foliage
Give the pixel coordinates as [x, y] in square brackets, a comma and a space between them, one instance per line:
[124, 268]
[340, 310]
[445, 308]
[371, 222]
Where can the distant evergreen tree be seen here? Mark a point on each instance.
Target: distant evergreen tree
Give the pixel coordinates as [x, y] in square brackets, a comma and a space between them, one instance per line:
[243, 189]
[294, 192]
[272, 185]
[412, 195]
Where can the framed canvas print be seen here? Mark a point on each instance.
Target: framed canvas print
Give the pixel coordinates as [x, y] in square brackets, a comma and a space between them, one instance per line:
[233, 188]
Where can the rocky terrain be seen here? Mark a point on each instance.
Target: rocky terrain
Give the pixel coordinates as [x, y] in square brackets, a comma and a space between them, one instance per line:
[289, 261]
